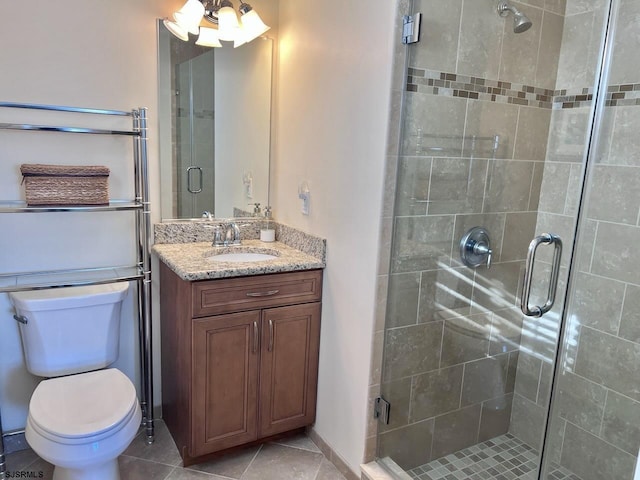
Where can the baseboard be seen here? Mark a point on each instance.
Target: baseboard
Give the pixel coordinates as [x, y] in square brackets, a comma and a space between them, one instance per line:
[332, 456]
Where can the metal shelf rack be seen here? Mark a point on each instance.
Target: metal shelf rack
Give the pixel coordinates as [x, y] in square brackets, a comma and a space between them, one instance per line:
[140, 272]
[10, 206]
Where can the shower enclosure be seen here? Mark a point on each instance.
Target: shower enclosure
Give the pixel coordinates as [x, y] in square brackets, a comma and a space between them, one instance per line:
[522, 132]
[195, 136]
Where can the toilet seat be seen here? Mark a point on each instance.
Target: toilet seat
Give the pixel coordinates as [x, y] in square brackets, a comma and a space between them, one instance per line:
[83, 408]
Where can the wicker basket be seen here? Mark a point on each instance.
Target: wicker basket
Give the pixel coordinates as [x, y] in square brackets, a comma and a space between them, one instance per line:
[65, 185]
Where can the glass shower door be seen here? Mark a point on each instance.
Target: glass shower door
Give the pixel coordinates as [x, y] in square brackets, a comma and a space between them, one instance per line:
[195, 136]
[496, 129]
[594, 426]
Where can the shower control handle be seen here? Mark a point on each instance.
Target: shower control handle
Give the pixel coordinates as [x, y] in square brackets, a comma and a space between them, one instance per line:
[544, 239]
[475, 248]
[482, 248]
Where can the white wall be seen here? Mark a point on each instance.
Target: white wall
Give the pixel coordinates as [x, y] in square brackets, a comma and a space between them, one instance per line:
[70, 52]
[332, 113]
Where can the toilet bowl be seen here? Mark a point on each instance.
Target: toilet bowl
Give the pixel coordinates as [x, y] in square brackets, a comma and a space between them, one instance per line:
[82, 423]
[83, 418]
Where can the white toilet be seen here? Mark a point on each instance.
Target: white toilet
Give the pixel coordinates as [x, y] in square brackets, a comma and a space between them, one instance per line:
[79, 422]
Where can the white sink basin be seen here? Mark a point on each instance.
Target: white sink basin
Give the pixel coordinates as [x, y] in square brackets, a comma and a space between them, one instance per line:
[242, 257]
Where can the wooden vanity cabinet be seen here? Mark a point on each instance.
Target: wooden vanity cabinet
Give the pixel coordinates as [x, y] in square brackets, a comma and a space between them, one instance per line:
[239, 358]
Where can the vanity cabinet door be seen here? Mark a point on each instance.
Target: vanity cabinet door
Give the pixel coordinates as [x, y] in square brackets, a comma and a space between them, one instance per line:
[225, 381]
[289, 367]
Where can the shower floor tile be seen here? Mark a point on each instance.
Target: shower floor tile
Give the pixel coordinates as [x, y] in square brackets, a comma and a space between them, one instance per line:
[501, 458]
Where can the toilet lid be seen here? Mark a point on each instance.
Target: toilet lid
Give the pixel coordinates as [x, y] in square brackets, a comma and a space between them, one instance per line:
[84, 404]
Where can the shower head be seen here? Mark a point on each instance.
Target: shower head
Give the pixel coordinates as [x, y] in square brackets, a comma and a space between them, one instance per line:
[521, 22]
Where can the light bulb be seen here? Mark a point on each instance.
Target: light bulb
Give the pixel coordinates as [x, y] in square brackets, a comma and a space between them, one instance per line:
[190, 15]
[208, 37]
[252, 25]
[240, 38]
[176, 29]
[228, 27]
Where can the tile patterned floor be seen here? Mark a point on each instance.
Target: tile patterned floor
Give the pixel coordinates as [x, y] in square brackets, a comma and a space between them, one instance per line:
[294, 458]
[502, 458]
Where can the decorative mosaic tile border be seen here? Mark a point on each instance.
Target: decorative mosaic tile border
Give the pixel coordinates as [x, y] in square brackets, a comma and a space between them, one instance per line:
[621, 95]
[572, 99]
[202, 114]
[453, 85]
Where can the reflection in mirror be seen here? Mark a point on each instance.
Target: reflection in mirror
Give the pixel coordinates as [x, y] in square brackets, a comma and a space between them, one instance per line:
[214, 123]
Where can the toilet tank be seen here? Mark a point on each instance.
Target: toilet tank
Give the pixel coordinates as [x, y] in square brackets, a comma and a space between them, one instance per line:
[70, 330]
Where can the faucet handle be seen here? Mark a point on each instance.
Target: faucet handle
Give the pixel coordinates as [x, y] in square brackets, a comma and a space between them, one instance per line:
[236, 233]
[208, 215]
[217, 236]
[225, 234]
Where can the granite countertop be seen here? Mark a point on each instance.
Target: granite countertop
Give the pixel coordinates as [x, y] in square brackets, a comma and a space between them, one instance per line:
[189, 260]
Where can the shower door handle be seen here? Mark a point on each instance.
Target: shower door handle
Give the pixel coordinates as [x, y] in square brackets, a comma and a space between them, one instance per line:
[544, 239]
[189, 178]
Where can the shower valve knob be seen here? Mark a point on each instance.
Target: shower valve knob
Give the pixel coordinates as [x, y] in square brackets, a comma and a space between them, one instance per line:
[475, 248]
[482, 249]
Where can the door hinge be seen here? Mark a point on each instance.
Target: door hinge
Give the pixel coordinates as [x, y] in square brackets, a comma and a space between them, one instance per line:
[411, 28]
[381, 410]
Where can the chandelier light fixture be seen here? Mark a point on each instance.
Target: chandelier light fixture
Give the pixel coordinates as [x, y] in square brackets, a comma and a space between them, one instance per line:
[221, 13]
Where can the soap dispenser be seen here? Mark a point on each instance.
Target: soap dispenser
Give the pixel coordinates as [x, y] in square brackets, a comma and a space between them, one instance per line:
[268, 234]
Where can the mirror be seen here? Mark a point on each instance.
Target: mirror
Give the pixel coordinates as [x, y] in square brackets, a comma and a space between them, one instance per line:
[214, 126]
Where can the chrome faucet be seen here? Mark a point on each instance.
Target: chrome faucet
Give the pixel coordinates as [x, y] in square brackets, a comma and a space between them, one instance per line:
[226, 234]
